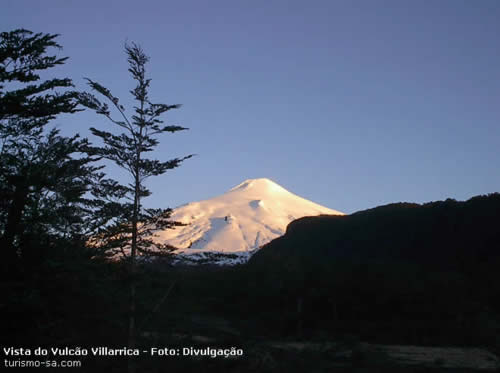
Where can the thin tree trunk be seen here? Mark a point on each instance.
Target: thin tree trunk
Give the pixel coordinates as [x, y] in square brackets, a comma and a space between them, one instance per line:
[131, 320]
[133, 253]
[133, 285]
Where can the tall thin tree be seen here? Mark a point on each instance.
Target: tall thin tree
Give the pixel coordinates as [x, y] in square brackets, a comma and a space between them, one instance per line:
[131, 231]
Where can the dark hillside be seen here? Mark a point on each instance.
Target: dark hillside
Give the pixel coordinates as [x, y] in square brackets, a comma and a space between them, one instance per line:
[441, 235]
[400, 273]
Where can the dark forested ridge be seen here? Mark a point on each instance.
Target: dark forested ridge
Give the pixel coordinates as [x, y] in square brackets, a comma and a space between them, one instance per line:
[405, 273]
[442, 235]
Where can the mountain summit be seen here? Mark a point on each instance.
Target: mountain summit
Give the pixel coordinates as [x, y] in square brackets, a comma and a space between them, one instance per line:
[243, 219]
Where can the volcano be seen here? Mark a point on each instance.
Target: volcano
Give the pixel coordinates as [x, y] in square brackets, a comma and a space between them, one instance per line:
[239, 221]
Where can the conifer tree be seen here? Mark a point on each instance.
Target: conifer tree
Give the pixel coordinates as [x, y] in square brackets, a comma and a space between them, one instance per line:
[38, 169]
[132, 229]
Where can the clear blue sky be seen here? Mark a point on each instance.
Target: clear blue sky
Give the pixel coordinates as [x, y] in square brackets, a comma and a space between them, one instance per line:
[351, 104]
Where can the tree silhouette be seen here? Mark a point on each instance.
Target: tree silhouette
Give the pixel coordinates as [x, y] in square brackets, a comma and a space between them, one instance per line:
[132, 228]
[38, 169]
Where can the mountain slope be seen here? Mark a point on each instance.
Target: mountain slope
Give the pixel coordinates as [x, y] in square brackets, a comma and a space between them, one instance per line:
[243, 219]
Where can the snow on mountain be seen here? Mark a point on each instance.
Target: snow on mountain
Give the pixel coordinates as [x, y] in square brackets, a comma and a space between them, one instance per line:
[239, 221]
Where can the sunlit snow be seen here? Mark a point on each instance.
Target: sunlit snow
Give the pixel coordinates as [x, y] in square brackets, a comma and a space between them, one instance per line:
[240, 221]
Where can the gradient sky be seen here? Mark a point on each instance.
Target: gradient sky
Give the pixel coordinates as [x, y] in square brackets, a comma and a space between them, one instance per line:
[351, 104]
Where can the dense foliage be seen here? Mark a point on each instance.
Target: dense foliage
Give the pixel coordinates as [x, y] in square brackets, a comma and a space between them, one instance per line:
[43, 176]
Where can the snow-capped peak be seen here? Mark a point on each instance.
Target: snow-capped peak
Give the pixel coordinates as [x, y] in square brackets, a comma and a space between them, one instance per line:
[243, 219]
[262, 185]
